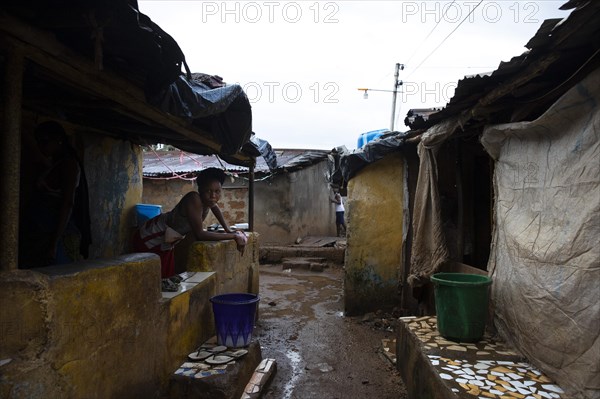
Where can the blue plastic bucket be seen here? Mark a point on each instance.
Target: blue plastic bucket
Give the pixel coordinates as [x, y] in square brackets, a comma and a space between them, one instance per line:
[234, 318]
[145, 212]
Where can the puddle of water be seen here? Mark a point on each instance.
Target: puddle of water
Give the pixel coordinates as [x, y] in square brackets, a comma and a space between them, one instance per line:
[295, 363]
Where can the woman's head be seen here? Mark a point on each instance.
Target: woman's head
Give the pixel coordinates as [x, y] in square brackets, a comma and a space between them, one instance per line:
[209, 183]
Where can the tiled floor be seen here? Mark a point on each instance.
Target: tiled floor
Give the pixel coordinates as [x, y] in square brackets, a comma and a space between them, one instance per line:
[190, 280]
[486, 369]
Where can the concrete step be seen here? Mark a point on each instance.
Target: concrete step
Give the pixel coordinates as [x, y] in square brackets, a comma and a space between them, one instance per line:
[276, 254]
[307, 259]
[435, 368]
[312, 264]
[229, 383]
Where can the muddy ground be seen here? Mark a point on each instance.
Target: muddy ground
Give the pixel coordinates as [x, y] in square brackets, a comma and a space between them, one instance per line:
[319, 352]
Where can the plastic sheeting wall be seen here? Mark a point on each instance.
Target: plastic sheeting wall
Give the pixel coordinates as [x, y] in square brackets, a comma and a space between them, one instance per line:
[545, 259]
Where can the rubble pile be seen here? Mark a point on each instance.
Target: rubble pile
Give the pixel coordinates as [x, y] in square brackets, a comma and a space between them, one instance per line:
[383, 321]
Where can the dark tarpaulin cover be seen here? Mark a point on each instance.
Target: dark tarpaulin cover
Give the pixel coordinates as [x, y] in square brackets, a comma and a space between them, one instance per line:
[352, 162]
[334, 172]
[121, 38]
[225, 111]
[257, 147]
[222, 110]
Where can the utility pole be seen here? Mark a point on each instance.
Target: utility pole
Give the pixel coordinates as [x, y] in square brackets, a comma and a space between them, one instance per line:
[397, 83]
[395, 92]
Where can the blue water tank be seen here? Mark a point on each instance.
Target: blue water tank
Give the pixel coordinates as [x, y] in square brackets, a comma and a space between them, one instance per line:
[364, 138]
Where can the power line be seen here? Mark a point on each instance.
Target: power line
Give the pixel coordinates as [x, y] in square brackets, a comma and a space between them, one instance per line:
[446, 38]
[459, 67]
[430, 32]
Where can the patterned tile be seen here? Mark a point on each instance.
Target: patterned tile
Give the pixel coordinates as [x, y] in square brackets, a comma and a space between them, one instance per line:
[425, 328]
[481, 370]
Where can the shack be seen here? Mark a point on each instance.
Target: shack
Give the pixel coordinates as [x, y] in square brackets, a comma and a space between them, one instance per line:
[505, 180]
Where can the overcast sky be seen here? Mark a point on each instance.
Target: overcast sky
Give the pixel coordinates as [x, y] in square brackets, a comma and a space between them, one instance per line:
[301, 62]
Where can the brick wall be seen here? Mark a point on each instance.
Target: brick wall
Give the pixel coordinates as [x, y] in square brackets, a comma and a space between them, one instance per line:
[233, 203]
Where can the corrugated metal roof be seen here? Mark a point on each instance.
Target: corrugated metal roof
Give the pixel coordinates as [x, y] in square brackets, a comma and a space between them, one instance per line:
[170, 163]
[572, 42]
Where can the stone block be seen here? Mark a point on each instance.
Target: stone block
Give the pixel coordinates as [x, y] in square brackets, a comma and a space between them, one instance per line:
[228, 385]
[277, 254]
[261, 377]
[416, 371]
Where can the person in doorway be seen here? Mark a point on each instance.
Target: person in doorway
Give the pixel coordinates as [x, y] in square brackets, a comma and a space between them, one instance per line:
[160, 234]
[340, 224]
[55, 219]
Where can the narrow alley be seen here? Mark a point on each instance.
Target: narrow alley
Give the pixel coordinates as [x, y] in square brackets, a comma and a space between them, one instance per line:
[319, 352]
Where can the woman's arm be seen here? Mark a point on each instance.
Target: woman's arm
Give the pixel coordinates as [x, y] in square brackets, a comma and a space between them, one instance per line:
[240, 237]
[217, 212]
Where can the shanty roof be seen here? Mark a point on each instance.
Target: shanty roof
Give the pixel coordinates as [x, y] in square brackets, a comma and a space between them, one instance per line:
[183, 164]
[561, 52]
[107, 67]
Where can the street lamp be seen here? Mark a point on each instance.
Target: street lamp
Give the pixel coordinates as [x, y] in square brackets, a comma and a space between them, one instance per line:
[397, 84]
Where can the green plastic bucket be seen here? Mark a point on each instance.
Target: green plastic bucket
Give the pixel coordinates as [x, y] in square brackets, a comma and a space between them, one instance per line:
[461, 303]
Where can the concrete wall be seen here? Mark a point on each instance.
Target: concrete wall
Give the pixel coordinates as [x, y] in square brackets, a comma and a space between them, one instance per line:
[294, 205]
[374, 258]
[236, 272]
[95, 329]
[101, 329]
[114, 174]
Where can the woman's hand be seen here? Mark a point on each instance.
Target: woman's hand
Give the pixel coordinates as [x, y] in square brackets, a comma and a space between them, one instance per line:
[241, 240]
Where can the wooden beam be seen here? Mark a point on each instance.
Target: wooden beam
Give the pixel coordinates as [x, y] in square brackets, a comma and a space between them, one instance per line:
[251, 199]
[460, 200]
[10, 158]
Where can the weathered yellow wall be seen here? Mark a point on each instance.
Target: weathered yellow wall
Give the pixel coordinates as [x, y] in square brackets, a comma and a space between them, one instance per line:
[374, 237]
[96, 329]
[189, 322]
[234, 272]
[101, 328]
[114, 174]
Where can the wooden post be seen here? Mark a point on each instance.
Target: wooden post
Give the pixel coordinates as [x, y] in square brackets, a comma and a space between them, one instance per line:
[10, 158]
[460, 200]
[251, 199]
